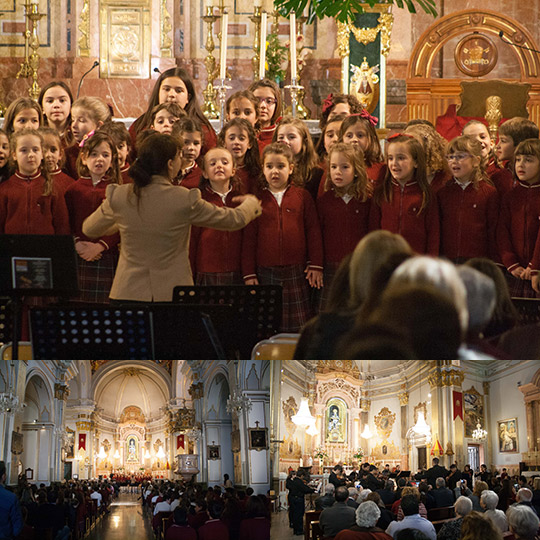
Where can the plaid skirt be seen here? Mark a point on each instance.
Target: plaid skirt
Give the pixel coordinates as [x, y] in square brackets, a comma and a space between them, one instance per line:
[520, 288]
[296, 302]
[218, 278]
[96, 277]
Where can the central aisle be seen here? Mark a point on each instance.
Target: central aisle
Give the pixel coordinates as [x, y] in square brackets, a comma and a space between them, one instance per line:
[125, 521]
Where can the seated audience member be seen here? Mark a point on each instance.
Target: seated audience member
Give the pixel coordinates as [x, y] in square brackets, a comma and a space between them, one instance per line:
[488, 501]
[339, 516]
[326, 500]
[386, 516]
[462, 489]
[214, 527]
[411, 490]
[411, 534]
[353, 496]
[180, 530]
[441, 494]
[412, 519]
[476, 526]
[256, 525]
[387, 494]
[522, 522]
[366, 517]
[200, 517]
[536, 494]
[524, 498]
[479, 488]
[451, 530]
[165, 504]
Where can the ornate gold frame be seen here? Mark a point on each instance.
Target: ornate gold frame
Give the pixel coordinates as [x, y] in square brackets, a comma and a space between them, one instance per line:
[338, 435]
[384, 422]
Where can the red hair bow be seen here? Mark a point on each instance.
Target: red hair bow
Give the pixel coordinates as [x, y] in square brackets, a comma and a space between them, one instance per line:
[364, 114]
[328, 103]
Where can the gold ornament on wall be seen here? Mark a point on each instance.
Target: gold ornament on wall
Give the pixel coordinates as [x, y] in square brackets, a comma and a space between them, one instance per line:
[84, 29]
[166, 27]
[290, 408]
[384, 422]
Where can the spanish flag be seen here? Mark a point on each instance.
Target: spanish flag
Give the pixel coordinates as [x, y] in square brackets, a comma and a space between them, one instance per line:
[437, 449]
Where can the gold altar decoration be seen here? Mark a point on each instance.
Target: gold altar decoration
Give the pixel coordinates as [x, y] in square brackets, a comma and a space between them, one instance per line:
[61, 391]
[256, 20]
[339, 366]
[493, 115]
[290, 448]
[475, 55]
[210, 108]
[403, 398]
[365, 84]
[384, 422]
[166, 27]
[439, 377]
[386, 450]
[84, 29]
[336, 421]
[125, 35]
[290, 408]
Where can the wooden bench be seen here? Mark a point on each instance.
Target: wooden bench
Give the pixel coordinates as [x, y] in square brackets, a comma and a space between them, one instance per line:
[311, 517]
[439, 514]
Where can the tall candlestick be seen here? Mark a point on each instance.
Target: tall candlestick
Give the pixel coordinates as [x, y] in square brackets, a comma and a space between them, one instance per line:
[292, 48]
[262, 48]
[223, 52]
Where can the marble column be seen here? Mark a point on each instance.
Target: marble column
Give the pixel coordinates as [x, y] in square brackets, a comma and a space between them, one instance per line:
[275, 421]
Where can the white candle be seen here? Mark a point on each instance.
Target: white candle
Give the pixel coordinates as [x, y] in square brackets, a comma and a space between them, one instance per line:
[223, 55]
[262, 48]
[292, 39]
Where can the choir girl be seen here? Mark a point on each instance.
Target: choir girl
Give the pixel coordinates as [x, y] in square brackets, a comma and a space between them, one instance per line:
[98, 168]
[499, 176]
[87, 115]
[335, 104]
[294, 133]
[403, 202]
[434, 146]
[190, 132]
[468, 205]
[518, 225]
[53, 156]
[120, 136]
[22, 113]
[284, 246]
[269, 96]
[243, 104]
[511, 133]
[175, 85]
[29, 204]
[215, 255]
[5, 167]
[165, 115]
[56, 99]
[344, 208]
[359, 129]
[238, 136]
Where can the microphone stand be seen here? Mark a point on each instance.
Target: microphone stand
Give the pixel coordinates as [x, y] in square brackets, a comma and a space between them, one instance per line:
[94, 65]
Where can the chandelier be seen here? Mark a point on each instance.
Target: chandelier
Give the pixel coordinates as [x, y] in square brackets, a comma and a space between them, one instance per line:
[194, 434]
[10, 403]
[312, 430]
[479, 434]
[303, 417]
[366, 434]
[421, 427]
[238, 402]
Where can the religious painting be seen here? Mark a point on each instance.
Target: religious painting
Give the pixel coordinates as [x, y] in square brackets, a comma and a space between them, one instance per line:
[508, 435]
[70, 444]
[384, 422]
[258, 439]
[336, 421]
[473, 409]
[132, 449]
[214, 452]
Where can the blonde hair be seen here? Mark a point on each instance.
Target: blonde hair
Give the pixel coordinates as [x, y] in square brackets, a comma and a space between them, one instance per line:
[96, 108]
[434, 146]
[360, 187]
[15, 107]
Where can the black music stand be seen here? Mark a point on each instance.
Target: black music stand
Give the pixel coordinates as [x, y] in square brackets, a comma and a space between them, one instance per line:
[36, 265]
[256, 312]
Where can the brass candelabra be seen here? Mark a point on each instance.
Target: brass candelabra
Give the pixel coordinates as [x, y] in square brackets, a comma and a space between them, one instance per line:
[30, 66]
[210, 108]
[256, 20]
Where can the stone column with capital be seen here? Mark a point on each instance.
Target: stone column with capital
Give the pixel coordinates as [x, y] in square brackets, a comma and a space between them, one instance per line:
[404, 415]
[487, 413]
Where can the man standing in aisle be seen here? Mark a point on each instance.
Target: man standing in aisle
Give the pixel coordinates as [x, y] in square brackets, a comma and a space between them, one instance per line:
[11, 522]
[297, 489]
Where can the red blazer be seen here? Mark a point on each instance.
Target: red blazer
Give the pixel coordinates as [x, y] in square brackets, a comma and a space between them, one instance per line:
[400, 216]
[265, 136]
[376, 172]
[178, 532]
[502, 179]
[192, 178]
[284, 235]
[343, 224]
[518, 225]
[215, 251]
[82, 199]
[25, 210]
[126, 179]
[212, 530]
[323, 164]
[440, 179]
[72, 153]
[61, 181]
[255, 529]
[468, 220]
[249, 183]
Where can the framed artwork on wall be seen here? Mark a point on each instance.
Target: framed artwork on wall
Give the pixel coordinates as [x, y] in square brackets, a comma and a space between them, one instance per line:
[507, 432]
[214, 452]
[258, 438]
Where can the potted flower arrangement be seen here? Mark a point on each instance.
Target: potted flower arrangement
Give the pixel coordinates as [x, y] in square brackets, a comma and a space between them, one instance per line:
[276, 58]
[359, 455]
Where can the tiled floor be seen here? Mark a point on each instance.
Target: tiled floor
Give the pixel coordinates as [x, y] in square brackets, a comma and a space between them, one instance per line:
[280, 527]
[124, 522]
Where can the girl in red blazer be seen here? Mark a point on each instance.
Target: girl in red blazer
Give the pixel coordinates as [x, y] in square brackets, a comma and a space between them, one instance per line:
[344, 208]
[284, 245]
[98, 167]
[190, 132]
[215, 255]
[269, 96]
[403, 201]
[53, 155]
[5, 166]
[238, 136]
[468, 205]
[359, 129]
[500, 177]
[29, 203]
[519, 222]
